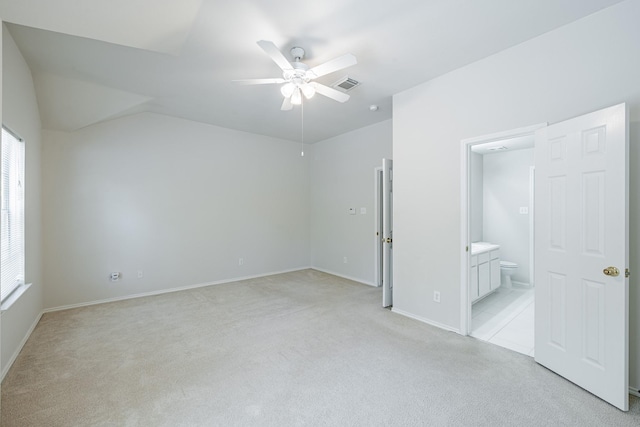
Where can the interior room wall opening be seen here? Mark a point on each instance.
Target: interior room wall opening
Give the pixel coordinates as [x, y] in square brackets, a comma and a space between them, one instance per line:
[501, 229]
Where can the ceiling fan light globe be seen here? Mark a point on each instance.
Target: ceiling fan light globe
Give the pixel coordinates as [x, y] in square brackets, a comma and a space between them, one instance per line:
[296, 97]
[287, 89]
[308, 91]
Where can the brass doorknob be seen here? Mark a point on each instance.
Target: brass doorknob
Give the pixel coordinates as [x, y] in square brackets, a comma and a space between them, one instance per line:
[611, 271]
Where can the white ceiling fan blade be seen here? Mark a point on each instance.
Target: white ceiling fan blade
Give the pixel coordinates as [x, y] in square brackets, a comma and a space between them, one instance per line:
[336, 64]
[330, 92]
[272, 50]
[286, 104]
[259, 81]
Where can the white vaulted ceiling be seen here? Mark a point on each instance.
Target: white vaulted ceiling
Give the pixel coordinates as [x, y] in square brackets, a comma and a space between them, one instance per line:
[157, 25]
[93, 60]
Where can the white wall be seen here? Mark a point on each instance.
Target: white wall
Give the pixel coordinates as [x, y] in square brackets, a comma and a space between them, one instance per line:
[506, 189]
[582, 67]
[181, 201]
[342, 176]
[20, 114]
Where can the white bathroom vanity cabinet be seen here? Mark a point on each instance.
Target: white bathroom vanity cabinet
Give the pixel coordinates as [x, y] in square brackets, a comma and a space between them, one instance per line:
[485, 270]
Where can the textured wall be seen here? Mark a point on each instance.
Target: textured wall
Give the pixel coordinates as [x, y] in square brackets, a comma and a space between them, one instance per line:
[20, 114]
[178, 200]
[342, 176]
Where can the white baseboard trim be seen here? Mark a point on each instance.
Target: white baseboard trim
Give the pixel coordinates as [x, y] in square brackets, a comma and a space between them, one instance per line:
[19, 349]
[167, 291]
[520, 284]
[355, 279]
[635, 391]
[427, 321]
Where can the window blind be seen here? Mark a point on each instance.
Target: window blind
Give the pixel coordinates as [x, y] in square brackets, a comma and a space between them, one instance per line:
[12, 220]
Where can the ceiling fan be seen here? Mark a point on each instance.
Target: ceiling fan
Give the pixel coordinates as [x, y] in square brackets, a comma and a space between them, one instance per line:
[298, 77]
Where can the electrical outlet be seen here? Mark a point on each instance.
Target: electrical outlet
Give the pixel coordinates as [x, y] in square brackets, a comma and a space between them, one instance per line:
[436, 296]
[240, 261]
[140, 274]
[345, 260]
[115, 276]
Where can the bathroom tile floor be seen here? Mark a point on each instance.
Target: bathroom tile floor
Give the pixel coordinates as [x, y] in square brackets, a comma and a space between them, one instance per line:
[506, 318]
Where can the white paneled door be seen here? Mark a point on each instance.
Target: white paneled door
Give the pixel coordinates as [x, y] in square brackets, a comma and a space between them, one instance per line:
[582, 293]
[387, 232]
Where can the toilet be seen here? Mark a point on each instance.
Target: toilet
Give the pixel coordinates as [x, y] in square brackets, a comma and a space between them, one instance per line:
[506, 270]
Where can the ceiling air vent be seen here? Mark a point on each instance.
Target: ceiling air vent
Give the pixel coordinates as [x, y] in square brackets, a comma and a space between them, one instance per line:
[346, 84]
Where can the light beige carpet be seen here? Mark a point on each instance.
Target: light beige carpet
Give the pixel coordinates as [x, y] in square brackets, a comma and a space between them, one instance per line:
[302, 348]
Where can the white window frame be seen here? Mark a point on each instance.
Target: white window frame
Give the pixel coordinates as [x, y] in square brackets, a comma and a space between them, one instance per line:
[12, 220]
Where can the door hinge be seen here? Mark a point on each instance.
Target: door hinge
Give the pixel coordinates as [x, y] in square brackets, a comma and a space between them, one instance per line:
[627, 273]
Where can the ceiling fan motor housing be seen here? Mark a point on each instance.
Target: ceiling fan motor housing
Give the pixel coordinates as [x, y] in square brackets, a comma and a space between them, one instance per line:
[298, 75]
[297, 53]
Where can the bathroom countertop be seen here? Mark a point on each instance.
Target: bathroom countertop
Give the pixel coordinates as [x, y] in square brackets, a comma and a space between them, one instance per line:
[482, 247]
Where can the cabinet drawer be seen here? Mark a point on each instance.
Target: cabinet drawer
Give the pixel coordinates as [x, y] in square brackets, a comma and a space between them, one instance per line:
[483, 257]
[495, 254]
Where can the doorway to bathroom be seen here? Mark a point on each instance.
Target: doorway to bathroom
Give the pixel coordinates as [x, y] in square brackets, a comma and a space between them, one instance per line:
[501, 231]
[581, 250]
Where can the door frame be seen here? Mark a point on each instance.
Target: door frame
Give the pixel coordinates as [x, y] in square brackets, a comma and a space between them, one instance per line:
[465, 226]
[532, 216]
[387, 232]
[377, 232]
